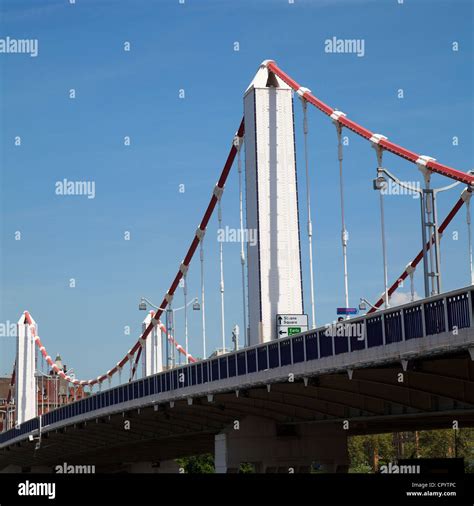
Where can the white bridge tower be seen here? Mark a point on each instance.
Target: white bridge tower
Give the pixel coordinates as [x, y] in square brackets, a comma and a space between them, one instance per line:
[274, 263]
[25, 382]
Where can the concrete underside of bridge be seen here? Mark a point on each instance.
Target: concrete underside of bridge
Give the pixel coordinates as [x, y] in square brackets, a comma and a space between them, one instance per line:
[281, 425]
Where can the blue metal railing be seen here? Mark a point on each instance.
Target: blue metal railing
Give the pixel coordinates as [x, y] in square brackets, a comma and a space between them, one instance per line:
[410, 321]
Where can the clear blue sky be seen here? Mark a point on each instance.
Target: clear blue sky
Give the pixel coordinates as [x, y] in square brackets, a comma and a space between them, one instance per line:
[185, 141]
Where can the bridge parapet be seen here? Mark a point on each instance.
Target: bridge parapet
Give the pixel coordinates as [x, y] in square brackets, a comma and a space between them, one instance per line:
[435, 325]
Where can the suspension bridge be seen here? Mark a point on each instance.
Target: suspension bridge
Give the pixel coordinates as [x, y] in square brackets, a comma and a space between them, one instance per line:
[293, 393]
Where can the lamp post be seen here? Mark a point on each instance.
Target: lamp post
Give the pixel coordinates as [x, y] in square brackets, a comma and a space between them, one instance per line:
[364, 303]
[142, 306]
[169, 331]
[380, 183]
[429, 219]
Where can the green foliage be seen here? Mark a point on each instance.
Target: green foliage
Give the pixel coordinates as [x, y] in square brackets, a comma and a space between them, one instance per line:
[361, 469]
[368, 453]
[357, 452]
[246, 468]
[204, 464]
[198, 464]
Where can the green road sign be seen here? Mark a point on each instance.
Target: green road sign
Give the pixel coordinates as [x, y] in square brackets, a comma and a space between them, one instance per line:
[293, 330]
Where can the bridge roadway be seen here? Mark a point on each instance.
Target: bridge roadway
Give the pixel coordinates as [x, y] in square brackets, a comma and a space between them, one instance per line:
[413, 369]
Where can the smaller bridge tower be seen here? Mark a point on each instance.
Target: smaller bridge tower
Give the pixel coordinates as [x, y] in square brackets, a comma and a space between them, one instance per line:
[152, 349]
[25, 384]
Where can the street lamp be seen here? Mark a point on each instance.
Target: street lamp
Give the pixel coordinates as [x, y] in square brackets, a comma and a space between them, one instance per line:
[429, 224]
[142, 306]
[364, 303]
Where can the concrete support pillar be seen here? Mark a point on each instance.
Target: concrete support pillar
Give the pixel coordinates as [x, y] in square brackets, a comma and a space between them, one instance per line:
[220, 453]
[285, 449]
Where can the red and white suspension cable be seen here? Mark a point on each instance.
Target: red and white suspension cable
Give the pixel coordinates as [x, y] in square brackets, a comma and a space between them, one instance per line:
[384, 143]
[137, 347]
[381, 143]
[68, 378]
[341, 120]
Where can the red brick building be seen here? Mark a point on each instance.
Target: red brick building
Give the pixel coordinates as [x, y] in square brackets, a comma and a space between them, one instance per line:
[4, 388]
[52, 391]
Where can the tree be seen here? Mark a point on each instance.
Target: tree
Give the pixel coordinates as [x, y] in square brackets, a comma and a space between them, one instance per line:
[197, 464]
[367, 453]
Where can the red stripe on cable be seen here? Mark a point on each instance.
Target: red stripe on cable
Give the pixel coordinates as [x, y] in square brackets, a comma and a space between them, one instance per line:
[367, 134]
[205, 220]
[187, 259]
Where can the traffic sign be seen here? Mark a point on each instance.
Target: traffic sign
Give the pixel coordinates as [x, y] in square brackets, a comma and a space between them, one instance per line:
[290, 324]
[347, 310]
[294, 330]
[298, 320]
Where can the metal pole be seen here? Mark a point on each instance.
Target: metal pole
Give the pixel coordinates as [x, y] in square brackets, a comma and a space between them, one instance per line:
[42, 384]
[308, 210]
[423, 234]
[169, 316]
[428, 207]
[37, 383]
[344, 235]
[436, 243]
[379, 153]
[221, 261]
[173, 363]
[384, 251]
[469, 235]
[203, 314]
[185, 292]
[430, 222]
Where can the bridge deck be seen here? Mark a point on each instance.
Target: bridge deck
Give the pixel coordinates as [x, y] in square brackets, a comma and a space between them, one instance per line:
[438, 326]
